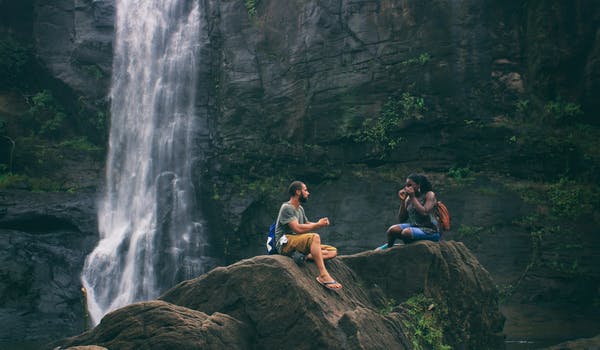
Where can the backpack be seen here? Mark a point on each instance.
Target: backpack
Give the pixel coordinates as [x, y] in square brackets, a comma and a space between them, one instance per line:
[271, 240]
[442, 216]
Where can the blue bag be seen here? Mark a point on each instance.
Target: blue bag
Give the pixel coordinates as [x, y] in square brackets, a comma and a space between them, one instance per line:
[271, 240]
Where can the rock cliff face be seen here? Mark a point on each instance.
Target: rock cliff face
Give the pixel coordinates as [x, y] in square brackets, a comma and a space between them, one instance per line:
[44, 239]
[284, 90]
[269, 302]
[73, 39]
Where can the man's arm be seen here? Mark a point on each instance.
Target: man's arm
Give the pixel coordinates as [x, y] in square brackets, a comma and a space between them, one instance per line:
[307, 227]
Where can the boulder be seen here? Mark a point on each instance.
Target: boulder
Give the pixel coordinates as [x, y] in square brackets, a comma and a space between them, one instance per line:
[166, 326]
[579, 344]
[270, 302]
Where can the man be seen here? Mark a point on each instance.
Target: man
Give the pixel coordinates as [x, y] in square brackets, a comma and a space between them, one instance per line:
[294, 234]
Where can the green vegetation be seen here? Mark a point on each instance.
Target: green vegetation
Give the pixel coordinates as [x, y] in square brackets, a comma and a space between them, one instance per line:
[487, 191]
[522, 107]
[42, 132]
[258, 187]
[15, 61]
[556, 203]
[561, 111]
[570, 199]
[251, 7]
[383, 132]
[427, 321]
[94, 71]
[45, 117]
[388, 306]
[421, 60]
[472, 233]
[460, 175]
[24, 182]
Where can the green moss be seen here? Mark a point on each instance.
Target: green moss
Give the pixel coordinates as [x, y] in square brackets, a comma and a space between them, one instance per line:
[34, 184]
[487, 191]
[10, 180]
[81, 144]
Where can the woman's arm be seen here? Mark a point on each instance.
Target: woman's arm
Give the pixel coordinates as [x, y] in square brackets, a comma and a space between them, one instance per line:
[402, 212]
[429, 203]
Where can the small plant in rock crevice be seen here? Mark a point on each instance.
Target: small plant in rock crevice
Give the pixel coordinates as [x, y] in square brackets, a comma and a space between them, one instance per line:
[427, 320]
[562, 201]
[383, 131]
[251, 7]
[389, 305]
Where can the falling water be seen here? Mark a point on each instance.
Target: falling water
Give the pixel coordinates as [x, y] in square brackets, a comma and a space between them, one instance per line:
[149, 236]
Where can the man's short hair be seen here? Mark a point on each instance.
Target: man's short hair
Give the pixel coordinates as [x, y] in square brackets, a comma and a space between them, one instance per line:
[295, 186]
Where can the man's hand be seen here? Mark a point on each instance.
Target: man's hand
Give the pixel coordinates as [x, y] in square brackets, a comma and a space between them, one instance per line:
[323, 222]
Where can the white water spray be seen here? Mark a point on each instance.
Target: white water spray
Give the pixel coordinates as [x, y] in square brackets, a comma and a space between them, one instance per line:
[150, 238]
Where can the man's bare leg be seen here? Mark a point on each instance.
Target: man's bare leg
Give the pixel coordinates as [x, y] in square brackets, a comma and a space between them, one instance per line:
[327, 254]
[317, 256]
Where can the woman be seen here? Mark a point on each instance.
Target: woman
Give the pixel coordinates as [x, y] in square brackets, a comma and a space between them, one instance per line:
[415, 214]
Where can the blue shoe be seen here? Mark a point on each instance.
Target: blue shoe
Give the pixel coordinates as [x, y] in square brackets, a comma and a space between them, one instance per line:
[385, 246]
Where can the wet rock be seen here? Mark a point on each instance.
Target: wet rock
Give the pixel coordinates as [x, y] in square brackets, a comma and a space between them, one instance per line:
[270, 302]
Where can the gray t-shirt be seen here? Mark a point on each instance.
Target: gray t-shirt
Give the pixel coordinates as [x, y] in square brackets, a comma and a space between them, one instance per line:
[287, 214]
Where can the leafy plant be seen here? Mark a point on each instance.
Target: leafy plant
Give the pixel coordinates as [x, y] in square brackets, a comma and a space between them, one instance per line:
[14, 61]
[94, 71]
[461, 174]
[562, 111]
[570, 199]
[10, 180]
[421, 60]
[382, 132]
[80, 144]
[427, 322]
[35, 184]
[522, 106]
[469, 233]
[251, 7]
[45, 116]
[388, 306]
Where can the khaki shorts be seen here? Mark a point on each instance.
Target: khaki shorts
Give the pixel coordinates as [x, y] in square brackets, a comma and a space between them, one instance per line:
[301, 243]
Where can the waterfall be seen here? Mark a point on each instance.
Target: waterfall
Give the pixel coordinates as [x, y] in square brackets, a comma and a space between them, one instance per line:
[150, 237]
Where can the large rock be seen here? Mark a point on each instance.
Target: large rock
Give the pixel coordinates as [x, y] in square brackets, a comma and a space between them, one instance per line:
[578, 344]
[269, 302]
[167, 326]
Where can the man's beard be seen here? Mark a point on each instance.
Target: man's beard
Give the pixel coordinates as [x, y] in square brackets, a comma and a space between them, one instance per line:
[302, 199]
